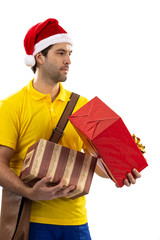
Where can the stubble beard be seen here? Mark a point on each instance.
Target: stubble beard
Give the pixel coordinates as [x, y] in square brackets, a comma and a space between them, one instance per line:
[59, 77]
[54, 76]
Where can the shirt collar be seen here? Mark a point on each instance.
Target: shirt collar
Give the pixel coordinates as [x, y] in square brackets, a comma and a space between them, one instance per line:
[36, 95]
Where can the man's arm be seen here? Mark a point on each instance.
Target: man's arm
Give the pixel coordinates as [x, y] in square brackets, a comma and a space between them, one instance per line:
[130, 178]
[39, 192]
[100, 173]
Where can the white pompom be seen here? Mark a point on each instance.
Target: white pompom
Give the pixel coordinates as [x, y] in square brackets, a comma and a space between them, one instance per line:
[29, 60]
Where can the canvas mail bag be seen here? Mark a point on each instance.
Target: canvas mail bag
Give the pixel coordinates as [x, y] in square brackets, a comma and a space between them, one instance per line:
[15, 210]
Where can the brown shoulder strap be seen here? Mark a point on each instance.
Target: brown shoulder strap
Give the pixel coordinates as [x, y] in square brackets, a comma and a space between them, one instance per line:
[59, 129]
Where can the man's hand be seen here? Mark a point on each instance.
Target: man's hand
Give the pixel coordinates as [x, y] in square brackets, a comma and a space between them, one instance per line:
[131, 178]
[40, 191]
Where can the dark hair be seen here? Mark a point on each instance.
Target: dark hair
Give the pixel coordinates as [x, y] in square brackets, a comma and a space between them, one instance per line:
[44, 53]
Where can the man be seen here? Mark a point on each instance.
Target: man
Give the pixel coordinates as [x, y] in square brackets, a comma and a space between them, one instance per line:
[32, 114]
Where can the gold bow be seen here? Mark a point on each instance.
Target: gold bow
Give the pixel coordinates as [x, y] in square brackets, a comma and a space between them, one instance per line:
[139, 144]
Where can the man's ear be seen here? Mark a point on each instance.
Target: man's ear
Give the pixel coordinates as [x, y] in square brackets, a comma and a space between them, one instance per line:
[39, 58]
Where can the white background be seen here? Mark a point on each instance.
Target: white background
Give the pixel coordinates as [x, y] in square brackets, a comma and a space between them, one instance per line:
[117, 58]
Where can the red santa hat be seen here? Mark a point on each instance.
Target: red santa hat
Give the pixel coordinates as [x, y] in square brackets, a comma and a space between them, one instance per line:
[41, 36]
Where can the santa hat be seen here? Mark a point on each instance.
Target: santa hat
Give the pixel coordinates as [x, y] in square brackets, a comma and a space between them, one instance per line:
[41, 36]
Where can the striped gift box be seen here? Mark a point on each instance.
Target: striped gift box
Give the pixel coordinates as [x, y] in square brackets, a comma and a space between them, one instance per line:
[45, 158]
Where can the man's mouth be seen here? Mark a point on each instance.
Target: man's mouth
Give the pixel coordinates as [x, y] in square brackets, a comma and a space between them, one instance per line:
[65, 69]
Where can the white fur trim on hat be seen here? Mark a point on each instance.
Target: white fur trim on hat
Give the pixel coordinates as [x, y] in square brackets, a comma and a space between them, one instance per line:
[58, 38]
[30, 60]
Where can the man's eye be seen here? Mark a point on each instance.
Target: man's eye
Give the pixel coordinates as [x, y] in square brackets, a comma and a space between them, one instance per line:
[61, 53]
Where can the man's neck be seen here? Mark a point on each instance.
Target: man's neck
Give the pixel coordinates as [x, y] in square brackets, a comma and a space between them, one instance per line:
[42, 87]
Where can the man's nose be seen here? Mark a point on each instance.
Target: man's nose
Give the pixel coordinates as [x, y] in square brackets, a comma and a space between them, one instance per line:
[67, 60]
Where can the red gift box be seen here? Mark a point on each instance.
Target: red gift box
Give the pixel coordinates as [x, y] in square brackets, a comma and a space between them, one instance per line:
[106, 136]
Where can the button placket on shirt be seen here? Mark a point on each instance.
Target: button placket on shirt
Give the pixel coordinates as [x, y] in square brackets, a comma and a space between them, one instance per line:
[49, 104]
[51, 108]
[53, 114]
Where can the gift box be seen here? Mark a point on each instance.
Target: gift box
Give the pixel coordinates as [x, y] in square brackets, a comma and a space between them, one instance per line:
[106, 137]
[45, 158]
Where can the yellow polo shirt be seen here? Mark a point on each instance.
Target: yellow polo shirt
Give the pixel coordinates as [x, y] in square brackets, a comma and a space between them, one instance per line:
[26, 117]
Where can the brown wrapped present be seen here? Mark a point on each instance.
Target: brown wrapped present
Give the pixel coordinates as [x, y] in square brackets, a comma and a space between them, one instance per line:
[45, 158]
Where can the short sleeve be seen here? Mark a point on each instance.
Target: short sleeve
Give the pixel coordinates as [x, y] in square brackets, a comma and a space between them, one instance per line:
[9, 123]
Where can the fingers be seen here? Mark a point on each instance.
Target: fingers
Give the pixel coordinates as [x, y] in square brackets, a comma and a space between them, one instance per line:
[42, 182]
[68, 190]
[60, 193]
[136, 173]
[59, 186]
[131, 177]
[116, 184]
[45, 192]
[41, 191]
[61, 190]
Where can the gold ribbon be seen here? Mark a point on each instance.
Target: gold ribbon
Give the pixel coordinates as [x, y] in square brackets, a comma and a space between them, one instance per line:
[139, 144]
